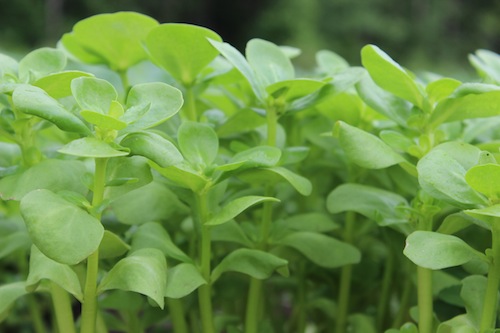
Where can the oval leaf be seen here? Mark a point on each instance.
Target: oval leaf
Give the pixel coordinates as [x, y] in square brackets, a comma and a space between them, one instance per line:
[322, 250]
[182, 280]
[35, 101]
[198, 143]
[91, 147]
[437, 251]
[93, 94]
[144, 271]
[154, 147]
[258, 264]
[41, 62]
[236, 207]
[182, 50]
[112, 246]
[62, 231]
[485, 179]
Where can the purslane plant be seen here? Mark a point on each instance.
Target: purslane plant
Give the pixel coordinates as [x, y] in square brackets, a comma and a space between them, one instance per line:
[224, 171]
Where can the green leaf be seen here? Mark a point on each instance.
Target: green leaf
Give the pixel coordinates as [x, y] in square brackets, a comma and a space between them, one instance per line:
[62, 231]
[390, 76]
[112, 39]
[154, 147]
[441, 89]
[437, 251]
[183, 175]
[230, 232]
[365, 149]
[9, 293]
[466, 107]
[125, 174]
[322, 250]
[44, 268]
[473, 293]
[301, 184]
[255, 263]
[198, 143]
[241, 64]
[41, 62]
[236, 207]
[330, 62]
[152, 202]
[102, 120]
[35, 101]
[144, 271]
[314, 222]
[376, 204]
[485, 179]
[8, 66]
[91, 147]
[93, 94]
[50, 174]
[396, 140]
[164, 101]
[269, 62]
[18, 240]
[182, 50]
[291, 90]
[488, 214]
[153, 235]
[112, 246]
[182, 280]
[261, 156]
[385, 103]
[441, 173]
[58, 85]
[487, 64]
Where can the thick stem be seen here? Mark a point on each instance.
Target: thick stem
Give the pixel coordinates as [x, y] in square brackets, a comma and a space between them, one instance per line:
[345, 277]
[205, 291]
[89, 307]
[190, 111]
[62, 308]
[489, 315]
[425, 306]
[252, 316]
[177, 315]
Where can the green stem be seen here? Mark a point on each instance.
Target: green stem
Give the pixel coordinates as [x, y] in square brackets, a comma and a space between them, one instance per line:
[125, 82]
[387, 281]
[272, 125]
[36, 316]
[133, 322]
[205, 291]
[89, 307]
[62, 307]
[489, 314]
[190, 105]
[345, 277]
[425, 306]
[177, 314]
[252, 316]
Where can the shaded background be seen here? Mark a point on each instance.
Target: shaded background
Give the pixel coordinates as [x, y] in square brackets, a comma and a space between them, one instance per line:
[436, 35]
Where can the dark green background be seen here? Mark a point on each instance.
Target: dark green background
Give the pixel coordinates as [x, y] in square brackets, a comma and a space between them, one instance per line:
[436, 35]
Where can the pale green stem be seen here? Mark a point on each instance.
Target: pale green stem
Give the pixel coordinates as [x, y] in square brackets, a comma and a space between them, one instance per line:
[252, 317]
[89, 307]
[205, 291]
[190, 111]
[62, 307]
[36, 316]
[177, 315]
[489, 314]
[345, 277]
[424, 292]
[125, 82]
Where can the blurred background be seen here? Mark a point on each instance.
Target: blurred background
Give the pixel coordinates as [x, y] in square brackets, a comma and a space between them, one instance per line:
[435, 35]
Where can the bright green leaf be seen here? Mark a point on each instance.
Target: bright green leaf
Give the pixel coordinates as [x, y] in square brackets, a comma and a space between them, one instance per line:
[144, 271]
[182, 280]
[93, 94]
[437, 251]
[198, 143]
[330, 62]
[58, 85]
[376, 204]
[154, 147]
[441, 89]
[41, 62]
[290, 90]
[113, 39]
[35, 101]
[258, 264]
[62, 231]
[91, 147]
[365, 149]
[163, 101]
[102, 121]
[390, 75]
[269, 62]
[236, 207]
[44, 268]
[441, 173]
[322, 250]
[182, 50]
[485, 179]
[112, 246]
[153, 235]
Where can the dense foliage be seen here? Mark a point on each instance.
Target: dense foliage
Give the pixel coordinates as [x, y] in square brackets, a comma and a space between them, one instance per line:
[153, 178]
